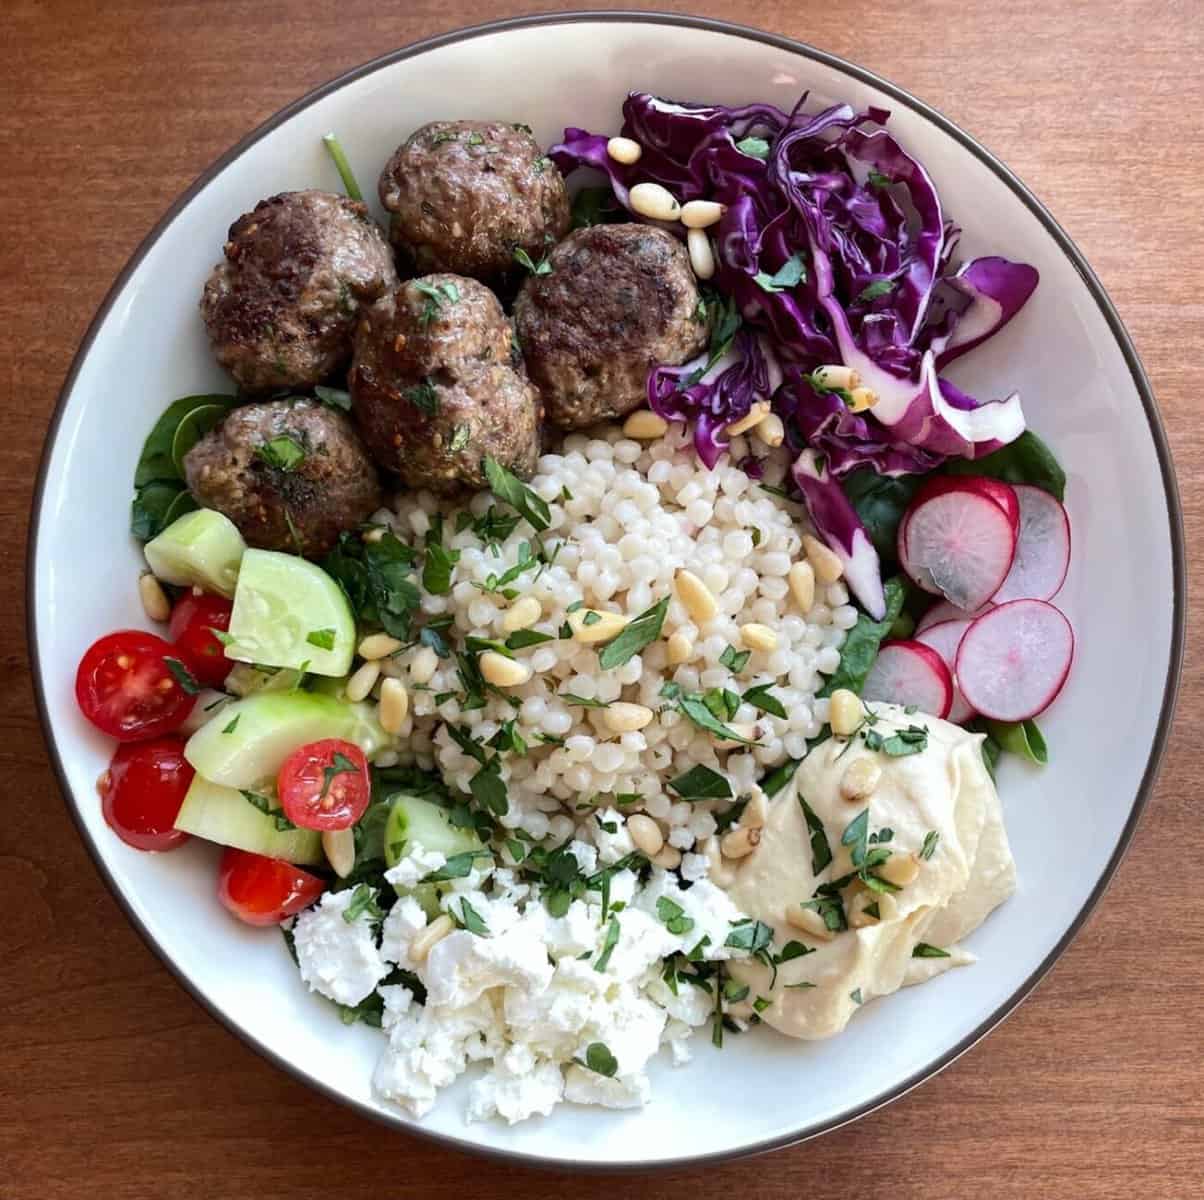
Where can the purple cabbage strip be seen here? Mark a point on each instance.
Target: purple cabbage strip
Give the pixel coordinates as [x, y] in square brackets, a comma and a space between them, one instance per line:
[841, 529]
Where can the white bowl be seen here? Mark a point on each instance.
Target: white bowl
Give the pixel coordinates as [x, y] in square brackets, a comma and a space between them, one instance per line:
[1084, 390]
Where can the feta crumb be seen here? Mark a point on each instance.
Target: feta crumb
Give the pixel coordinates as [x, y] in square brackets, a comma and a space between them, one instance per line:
[337, 958]
[405, 921]
[694, 867]
[463, 965]
[518, 1087]
[611, 846]
[586, 856]
[583, 1086]
[415, 865]
[707, 906]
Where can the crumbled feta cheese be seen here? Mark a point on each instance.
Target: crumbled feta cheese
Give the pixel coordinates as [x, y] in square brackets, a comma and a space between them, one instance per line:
[694, 867]
[518, 1087]
[586, 856]
[574, 933]
[583, 1086]
[703, 903]
[643, 940]
[414, 866]
[405, 921]
[611, 846]
[680, 837]
[463, 965]
[338, 958]
[628, 1025]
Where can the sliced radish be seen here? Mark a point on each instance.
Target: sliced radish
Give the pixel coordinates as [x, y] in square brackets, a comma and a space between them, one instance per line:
[959, 544]
[1002, 493]
[1013, 661]
[1042, 548]
[942, 611]
[944, 638]
[910, 673]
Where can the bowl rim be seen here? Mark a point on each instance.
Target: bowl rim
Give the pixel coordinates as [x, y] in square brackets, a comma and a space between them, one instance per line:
[1064, 244]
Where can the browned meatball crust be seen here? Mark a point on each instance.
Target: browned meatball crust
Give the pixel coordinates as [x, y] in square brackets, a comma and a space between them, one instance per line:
[465, 194]
[619, 300]
[281, 307]
[435, 387]
[291, 474]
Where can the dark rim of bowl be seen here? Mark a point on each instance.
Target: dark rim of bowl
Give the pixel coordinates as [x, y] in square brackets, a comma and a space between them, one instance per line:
[1140, 381]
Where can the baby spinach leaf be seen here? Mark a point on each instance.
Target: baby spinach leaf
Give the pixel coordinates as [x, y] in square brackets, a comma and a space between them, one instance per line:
[862, 641]
[1026, 460]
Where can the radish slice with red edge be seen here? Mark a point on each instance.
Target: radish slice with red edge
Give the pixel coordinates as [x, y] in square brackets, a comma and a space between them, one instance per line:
[1013, 662]
[908, 673]
[959, 543]
[1042, 548]
[944, 638]
[943, 611]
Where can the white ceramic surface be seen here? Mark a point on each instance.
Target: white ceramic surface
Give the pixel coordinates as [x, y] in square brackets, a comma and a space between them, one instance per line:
[1082, 390]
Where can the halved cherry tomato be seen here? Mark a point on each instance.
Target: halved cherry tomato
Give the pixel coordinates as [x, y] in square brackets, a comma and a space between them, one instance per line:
[125, 687]
[263, 891]
[193, 620]
[324, 785]
[142, 791]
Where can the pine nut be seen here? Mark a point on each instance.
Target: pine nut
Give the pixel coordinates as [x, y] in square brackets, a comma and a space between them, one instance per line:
[845, 712]
[339, 848]
[806, 919]
[758, 637]
[740, 843]
[702, 257]
[701, 214]
[860, 779]
[606, 626]
[622, 717]
[522, 614]
[756, 812]
[824, 562]
[802, 585]
[862, 398]
[423, 664]
[750, 420]
[771, 431]
[154, 599]
[654, 202]
[430, 937]
[696, 596]
[719, 871]
[646, 834]
[373, 535]
[645, 426]
[394, 705]
[502, 671]
[679, 648]
[741, 729]
[378, 645]
[836, 376]
[362, 681]
[669, 859]
[899, 870]
[624, 150]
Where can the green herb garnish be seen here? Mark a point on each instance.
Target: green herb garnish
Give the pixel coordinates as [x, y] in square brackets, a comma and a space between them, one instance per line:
[322, 638]
[283, 452]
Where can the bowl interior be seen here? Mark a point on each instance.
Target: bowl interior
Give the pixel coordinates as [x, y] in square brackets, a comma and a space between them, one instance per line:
[1081, 393]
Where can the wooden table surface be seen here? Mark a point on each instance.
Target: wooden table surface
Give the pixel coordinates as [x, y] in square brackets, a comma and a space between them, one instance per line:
[114, 1082]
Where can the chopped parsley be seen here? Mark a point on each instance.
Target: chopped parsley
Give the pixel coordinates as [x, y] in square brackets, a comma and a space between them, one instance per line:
[437, 295]
[821, 851]
[423, 396]
[524, 260]
[924, 950]
[363, 900]
[912, 740]
[734, 659]
[762, 698]
[340, 765]
[931, 841]
[790, 274]
[459, 438]
[322, 638]
[779, 777]
[335, 398]
[582, 701]
[608, 945]
[520, 639]
[233, 724]
[696, 708]
[673, 916]
[754, 147]
[470, 919]
[637, 634]
[437, 567]
[855, 996]
[880, 287]
[701, 783]
[599, 1059]
[255, 800]
[182, 675]
[508, 487]
[459, 866]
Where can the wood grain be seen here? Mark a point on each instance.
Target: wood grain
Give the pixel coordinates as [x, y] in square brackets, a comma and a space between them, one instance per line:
[115, 1082]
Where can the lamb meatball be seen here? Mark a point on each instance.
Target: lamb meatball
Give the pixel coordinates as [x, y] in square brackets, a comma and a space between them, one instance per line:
[436, 385]
[282, 306]
[465, 194]
[291, 474]
[619, 300]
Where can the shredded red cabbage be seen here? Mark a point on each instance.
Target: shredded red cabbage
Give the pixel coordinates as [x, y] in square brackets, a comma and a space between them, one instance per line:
[833, 248]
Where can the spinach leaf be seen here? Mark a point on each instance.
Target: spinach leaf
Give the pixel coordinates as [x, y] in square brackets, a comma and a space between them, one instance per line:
[156, 506]
[1026, 460]
[595, 206]
[505, 485]
[1023, 739]
[862, 641]
[701, 783]
[880, 502]
[156, 461]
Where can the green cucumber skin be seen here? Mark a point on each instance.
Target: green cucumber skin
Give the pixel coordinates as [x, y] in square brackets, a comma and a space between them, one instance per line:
[201, 548]
[414, 819]
[280, 601]
[268, 727]
[223, 815]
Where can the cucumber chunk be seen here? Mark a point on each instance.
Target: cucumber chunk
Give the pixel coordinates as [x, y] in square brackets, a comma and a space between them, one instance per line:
[266, 728]
[413, 819]
[290, 613]
[224, 815]
[246, 680]
[202, 548]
